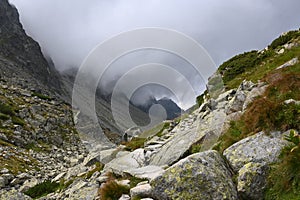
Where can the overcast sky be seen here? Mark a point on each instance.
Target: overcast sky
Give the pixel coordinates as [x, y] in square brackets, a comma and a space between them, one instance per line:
[68, 30]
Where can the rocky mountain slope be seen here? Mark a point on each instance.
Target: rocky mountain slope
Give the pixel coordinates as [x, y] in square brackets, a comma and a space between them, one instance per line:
[21, 56]
[22, 63]
[242, 142]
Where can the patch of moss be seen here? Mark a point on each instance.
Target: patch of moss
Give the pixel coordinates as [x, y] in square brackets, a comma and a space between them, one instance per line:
[134, 180]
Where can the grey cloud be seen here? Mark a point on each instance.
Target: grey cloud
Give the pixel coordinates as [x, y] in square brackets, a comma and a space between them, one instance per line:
[69, 29]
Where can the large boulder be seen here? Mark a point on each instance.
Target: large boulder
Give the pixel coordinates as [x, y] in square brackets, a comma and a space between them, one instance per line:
[215, 85]
[196, 129]
[236, 104]
[199, 176]
[175, 148]
[103, 156]
[255, 92]
[133, 160]
[252, 181]
[259, 148]
[148, 172]
[139, 191]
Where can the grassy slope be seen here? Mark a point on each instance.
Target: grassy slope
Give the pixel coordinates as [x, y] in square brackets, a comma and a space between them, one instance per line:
[269, 112]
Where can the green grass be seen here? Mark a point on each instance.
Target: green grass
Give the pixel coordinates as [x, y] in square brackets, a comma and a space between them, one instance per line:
[41, 96]
[235, 133]
[153, 131]
[165, 126]
[42, 189]
[4, 143]
[254, 66]
[6, 109]
[18, 121]
[283, 39]
[284, 178]
[98, 167]
[200, 98]
[134, 144]
[268, 112]
[14, 163]
[47, 187]
[4, 117]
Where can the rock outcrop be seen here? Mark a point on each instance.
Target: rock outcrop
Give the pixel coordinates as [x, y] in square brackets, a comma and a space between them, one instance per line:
[199, 176]
[259, 148]
[20, 55]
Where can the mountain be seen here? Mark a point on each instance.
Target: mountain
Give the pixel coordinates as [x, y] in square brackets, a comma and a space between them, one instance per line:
[20, 55]
[241, 142]
[172, 109]
[103, 109]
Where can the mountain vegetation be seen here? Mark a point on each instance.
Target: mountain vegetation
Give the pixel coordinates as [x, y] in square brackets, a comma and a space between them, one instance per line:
[240, 144]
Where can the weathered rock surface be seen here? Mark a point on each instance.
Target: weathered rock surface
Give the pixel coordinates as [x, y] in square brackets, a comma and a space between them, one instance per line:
[148, 172]
[188, 132]
[133, 160]
[252, 181]
[82, 190]
[199, 176]
[143, 190]
[259, 148]
[13, 194]
[289, 63]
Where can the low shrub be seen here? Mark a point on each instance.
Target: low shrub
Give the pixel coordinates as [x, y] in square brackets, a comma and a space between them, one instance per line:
[238, 64]
[111, 190]
[283, 39]
[268, 112]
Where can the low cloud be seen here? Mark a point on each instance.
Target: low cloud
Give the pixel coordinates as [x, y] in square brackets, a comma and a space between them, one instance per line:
[68, 30]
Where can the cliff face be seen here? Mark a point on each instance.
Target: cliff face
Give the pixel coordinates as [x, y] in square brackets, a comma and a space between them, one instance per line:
[20, 55]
